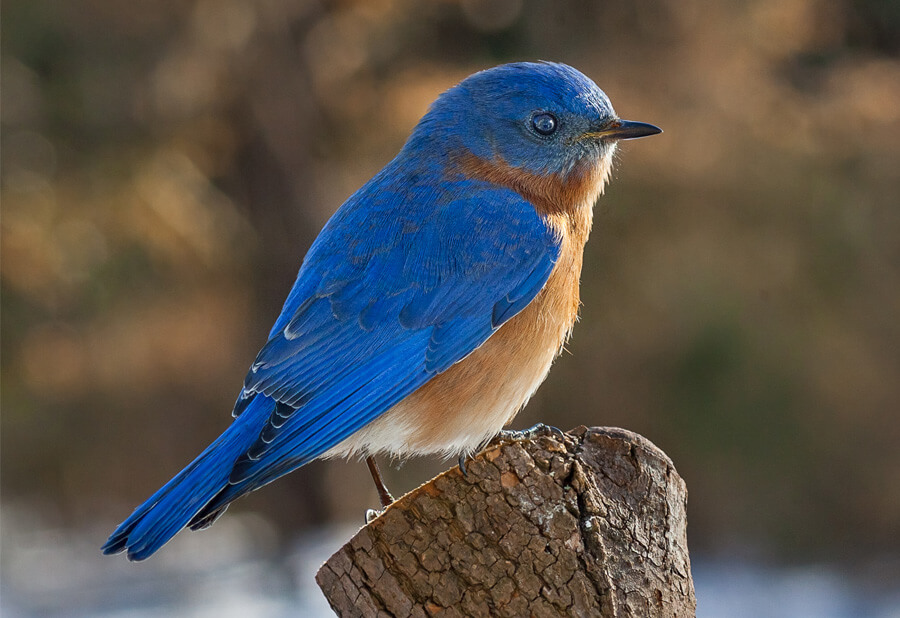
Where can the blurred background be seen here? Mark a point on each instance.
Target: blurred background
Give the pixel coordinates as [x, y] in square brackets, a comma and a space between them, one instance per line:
[166, 164]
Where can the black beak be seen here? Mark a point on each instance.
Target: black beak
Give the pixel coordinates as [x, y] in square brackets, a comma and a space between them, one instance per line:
[623, 129]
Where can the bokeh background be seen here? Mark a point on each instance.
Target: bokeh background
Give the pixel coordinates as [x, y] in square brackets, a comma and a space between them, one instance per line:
[166, 164]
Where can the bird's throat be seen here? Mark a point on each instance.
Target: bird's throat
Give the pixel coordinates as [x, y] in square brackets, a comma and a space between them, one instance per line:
[554, 194]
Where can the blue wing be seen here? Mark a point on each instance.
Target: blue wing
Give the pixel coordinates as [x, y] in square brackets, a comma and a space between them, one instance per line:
[397, 288]
[405, 280]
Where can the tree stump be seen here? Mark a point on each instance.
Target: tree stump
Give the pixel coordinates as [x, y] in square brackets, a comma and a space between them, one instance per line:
[590, 523]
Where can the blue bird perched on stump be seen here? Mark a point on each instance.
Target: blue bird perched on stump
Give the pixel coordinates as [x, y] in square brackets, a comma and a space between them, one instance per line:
[430, 307]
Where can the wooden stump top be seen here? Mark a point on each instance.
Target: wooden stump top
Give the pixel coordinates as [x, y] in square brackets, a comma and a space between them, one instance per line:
[592, 523]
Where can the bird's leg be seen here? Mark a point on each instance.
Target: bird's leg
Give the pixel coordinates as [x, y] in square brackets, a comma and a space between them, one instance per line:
[383, 493]
[519, 435]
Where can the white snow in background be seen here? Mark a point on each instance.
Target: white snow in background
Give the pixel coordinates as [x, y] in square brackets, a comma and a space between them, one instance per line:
[236, 569]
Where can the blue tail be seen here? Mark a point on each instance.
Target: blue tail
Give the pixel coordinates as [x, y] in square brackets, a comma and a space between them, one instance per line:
[174, 506]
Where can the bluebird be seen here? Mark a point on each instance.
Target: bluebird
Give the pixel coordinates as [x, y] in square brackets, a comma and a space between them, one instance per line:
[432, 304]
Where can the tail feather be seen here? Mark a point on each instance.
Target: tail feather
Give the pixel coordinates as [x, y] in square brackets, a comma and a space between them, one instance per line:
[207, 516]
[177, 503]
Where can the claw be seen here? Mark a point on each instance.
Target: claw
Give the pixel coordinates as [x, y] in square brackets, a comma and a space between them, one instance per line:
[372, 515]
[554, 431]
[462, 466]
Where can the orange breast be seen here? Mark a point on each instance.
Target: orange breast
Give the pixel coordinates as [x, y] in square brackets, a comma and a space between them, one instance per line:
[481, 394]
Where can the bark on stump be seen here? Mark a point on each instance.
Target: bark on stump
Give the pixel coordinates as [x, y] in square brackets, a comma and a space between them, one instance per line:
[589, 524]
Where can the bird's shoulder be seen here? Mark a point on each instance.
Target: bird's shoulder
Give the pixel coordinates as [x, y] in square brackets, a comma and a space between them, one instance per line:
[414, 228]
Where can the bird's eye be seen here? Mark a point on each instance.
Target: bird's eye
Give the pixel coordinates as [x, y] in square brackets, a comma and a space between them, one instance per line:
[544, 123]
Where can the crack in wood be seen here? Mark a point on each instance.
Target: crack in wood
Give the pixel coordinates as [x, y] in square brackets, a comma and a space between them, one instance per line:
[591, 523]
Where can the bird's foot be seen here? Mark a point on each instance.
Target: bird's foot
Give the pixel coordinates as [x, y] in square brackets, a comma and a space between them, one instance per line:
[520, 435]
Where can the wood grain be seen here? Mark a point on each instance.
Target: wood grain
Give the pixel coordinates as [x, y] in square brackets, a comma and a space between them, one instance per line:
[589, 524]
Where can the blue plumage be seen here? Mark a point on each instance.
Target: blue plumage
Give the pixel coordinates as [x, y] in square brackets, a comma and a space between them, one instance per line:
[368, 321]
[410, 276]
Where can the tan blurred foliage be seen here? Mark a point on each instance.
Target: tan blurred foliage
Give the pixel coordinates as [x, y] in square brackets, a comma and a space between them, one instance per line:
[166, 164]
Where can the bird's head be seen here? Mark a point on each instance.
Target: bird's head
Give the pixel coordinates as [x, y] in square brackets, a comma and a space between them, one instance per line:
[540, 118]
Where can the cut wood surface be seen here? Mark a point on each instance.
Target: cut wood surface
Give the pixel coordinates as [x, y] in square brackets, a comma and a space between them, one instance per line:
[589, 523]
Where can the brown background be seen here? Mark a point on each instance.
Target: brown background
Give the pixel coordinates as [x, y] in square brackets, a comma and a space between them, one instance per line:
[166, 164]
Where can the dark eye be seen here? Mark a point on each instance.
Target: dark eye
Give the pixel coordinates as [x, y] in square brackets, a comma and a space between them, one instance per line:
[544, 123]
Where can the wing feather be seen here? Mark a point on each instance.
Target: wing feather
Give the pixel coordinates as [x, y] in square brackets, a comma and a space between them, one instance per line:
[372, 319]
